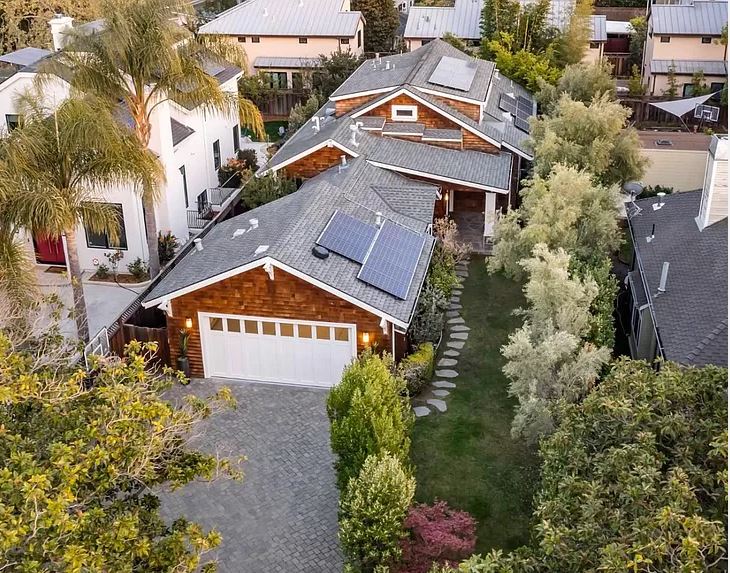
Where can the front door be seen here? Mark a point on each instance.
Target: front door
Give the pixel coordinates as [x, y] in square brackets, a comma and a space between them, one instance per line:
[49, 250]
[472, 201]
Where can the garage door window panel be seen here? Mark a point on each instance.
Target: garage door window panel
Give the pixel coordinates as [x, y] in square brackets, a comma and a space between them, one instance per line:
[216, 324]
[305, 331]
[234, 325]
[342, 334]
[268, 328]
[286, 329]
[251, 326]
[323, 333]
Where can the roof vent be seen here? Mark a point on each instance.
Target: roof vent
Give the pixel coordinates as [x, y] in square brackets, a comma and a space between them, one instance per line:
[650, 238]
[343, 164]
[261, 249]
[378, 219]
[266, 12]
[238, 232]
[198, 244]
[664, 142]
[320, 252]
[315, 121]
[254, 223]
[663, 279]
[660, 201]
[387, 64]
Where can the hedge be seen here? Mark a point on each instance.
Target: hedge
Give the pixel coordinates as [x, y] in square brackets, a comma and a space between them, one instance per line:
[417, 368]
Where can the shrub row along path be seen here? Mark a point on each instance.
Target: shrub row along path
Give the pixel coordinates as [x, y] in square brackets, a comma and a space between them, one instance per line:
[465, 455]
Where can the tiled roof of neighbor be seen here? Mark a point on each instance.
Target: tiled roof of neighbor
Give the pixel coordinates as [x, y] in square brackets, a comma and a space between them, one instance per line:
[293, 63]
[691, 316]
[689, 67]
[598, 28]
[702, 18]
[461, 20]
[680, 140]
[291, 225]
[285, 18]
[180, 131]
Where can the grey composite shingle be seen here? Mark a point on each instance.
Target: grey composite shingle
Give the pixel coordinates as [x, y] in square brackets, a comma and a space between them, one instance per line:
[703, 18]
[442, 134]
[403, 127]
[689, 67]
[285, 18]
[461, 20]
[290, 226]
[691, 316]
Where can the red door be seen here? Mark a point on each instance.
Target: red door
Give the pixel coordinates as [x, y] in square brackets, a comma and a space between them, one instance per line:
[49, 250]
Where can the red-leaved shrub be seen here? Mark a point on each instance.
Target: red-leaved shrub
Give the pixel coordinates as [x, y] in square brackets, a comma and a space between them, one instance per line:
[436, 534]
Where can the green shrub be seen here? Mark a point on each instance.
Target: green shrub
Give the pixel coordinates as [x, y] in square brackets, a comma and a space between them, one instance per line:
[428, 320]
[102, 271]
[417, 368]
[248, 158]
[167, 244]
[372, 512]
[139, 269]
[602, 329]
[261, 190]
[651, 191]
[368, 416]
[442, 271]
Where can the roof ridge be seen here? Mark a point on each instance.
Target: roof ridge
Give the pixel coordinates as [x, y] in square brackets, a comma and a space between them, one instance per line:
[697, 350]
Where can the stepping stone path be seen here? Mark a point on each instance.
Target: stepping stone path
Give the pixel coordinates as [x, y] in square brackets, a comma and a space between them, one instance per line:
[447, 375]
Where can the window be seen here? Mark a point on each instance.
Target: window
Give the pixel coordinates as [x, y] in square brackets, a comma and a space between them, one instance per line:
[706, 40]
[716, 87]
[286, 329]
[242, 39]
[12, 120]
[688, 90]
[202, 201]
[636, 322]
[323, 333]
[268, 328]
[359, 38]
[342, 334]
[251, 326]
[236, 138]
[594, 45]
[216, 323]
[255, 40]
[303, 40]
[297, 81]
[664, 39]
[185, 184]
[217, 154]
[103, 240]
[404, 113]
[304, 330]
[344, 41]
[234, 325]
[277, 80]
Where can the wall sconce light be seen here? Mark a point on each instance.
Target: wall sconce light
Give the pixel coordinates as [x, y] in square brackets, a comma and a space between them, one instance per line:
[188, 322]
[446, 196]
[366, 338]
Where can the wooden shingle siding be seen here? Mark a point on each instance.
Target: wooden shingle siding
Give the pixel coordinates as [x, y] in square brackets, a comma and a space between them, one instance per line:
[426, 115]
[468, 109]
[476, 143]
[345, 105]
[314, 163]
[253, 294]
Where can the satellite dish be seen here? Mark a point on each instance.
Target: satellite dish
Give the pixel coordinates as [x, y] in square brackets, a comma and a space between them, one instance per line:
[633, 188]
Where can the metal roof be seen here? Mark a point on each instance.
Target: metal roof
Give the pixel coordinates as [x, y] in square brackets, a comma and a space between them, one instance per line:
[461, 20]
[288, 63]
[703, 18]
[25, 56]
[291, 225]
[689, 67]
[691, 316]
[618, 27]
[285, 18]
[598, 28]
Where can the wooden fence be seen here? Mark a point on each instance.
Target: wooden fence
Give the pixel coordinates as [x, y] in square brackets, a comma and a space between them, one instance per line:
[278, 106]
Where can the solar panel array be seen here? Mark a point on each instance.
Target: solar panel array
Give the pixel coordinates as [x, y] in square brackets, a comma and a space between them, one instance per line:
[454, 73]
[348, 237]
[392, 261]
[522, 124]
[508, 103]
[521, 108]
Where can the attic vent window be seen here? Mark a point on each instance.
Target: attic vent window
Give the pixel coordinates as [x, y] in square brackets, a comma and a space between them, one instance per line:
[404, 113]
[664, 142]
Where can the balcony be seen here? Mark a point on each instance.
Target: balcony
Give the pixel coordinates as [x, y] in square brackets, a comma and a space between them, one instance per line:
[209, 203]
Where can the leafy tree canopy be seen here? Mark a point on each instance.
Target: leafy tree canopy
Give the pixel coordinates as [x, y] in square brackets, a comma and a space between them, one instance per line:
[381, 23]
[573, 42]
[582, 82]
[593, 137]
[334, 70]
[526, 68]
[79, 452]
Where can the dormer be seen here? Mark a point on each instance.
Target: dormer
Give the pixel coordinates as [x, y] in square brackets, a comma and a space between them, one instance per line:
[713, 207]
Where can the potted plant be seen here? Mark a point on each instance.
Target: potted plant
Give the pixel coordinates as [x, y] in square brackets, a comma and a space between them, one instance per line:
[182, 360]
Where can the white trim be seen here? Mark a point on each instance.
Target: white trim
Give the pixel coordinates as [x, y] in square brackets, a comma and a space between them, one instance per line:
[452, 96]
[360, 94]
[395, 108]
[403, 134]
[435, 108]
[286, 268]
[424, 138]
[306, 152]
[438, 177]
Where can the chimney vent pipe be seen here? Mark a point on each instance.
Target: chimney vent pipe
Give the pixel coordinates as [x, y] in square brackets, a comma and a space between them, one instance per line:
[198, 244]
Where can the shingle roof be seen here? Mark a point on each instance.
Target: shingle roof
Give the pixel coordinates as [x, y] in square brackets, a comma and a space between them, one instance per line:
[689, 67]
[291, 225]
[293, 63]
[285, 18]
[598, 28]
[461, 20]
[703, 18]
[691, 316]
[180, 131]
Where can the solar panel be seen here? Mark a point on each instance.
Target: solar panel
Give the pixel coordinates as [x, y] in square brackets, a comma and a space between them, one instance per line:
[347, 236]
[393, 259]
[524, 107]
[454, 73]
[522, 124]
[507, 103]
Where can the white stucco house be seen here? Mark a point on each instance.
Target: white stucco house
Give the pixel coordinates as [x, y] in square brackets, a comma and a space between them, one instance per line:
[191, 145]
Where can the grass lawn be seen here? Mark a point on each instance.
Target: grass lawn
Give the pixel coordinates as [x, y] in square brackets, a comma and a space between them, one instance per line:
[466, 455]
[272, 129]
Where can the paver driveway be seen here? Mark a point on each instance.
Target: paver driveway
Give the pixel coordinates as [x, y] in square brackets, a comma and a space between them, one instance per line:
[283, 516]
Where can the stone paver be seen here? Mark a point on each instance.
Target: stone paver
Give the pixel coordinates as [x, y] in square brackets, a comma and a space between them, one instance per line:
[443, 384]
[282, 516]
[458, 344]
[456, 292]
[451, 353]
[459, 335]
[447, 373]
[421, 411]
[440, 405]
[452, 313]
[455, 306]
[440, 393]
[456, 320]
[445, 362]
[459, 328]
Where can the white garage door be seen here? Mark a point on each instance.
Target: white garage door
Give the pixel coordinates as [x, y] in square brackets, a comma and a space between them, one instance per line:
[276, 350]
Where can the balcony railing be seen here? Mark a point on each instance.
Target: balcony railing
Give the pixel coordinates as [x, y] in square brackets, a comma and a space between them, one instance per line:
[217, 196]
[209, 202]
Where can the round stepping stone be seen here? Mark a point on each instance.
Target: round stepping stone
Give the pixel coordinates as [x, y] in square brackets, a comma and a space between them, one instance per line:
[452, 353]
[456, 293]
[460, 335]
[455, 306]
[443, 384]
[447, 373]
[462, 274]
[440, 393]
[458, 344]
[456, 320]
[460, 328]
[454, 300]
[445, 362]
[440, 405]
[421, 411]
[452, 313]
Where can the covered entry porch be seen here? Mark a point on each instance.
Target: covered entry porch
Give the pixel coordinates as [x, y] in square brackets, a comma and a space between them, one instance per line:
[475, 213]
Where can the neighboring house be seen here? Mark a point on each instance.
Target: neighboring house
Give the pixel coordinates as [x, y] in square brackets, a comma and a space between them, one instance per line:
[427, 23]
[190, 143]
[675, 159]
[597, 42]
[685, 37]
[559, 13]
[403, 6]
[434, 114]
[291, 291]
[285, 38]
[679, 278]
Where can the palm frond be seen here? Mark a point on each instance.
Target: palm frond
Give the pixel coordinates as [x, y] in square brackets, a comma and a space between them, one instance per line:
[18, 282]
[250, 117]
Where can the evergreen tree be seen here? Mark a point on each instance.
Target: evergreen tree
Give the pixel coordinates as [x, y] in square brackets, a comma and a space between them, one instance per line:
[672, 90]
[381, 23]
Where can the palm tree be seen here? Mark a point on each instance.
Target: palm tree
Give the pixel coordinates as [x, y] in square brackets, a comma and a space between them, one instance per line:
[143, 57]
[53, 171]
